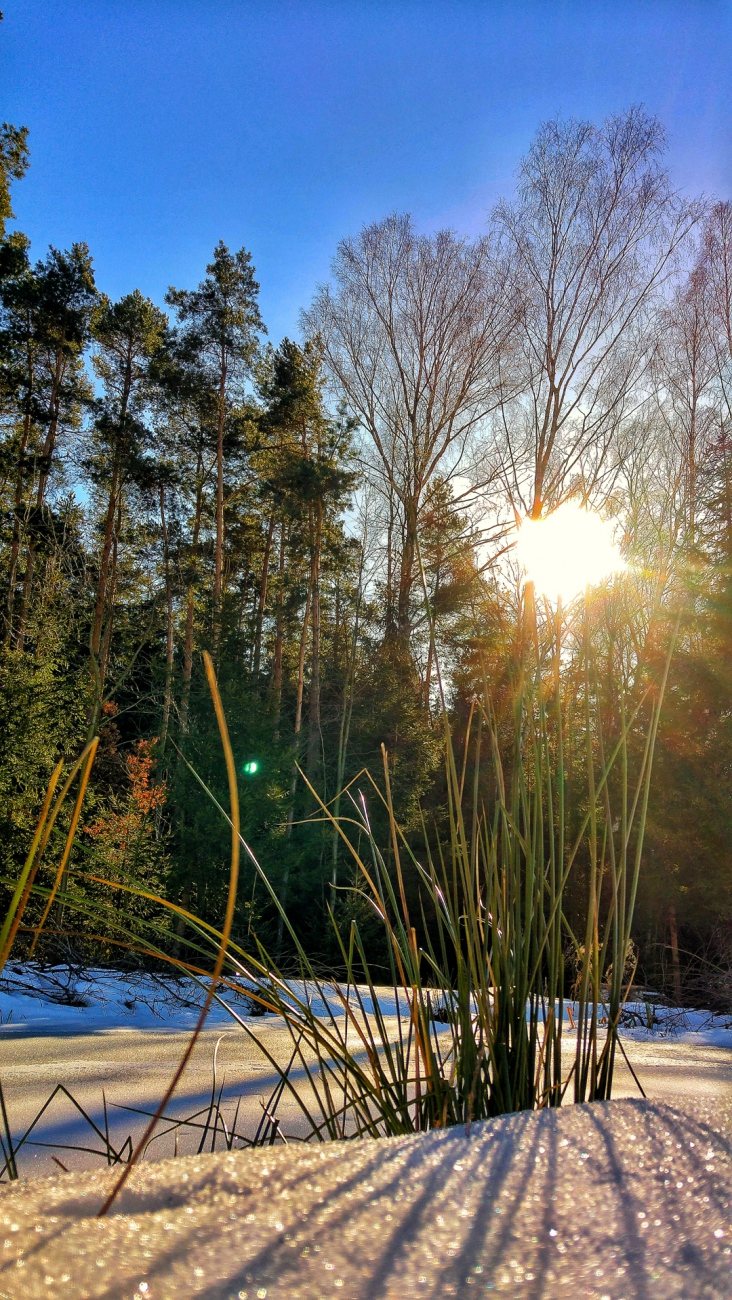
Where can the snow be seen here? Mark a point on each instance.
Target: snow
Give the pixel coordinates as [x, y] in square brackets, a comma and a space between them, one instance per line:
[59, 1000]
[645, 1022]
[616, 1200]
[610, 1201]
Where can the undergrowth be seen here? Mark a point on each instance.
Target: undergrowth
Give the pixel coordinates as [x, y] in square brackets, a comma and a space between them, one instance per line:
[478, 973]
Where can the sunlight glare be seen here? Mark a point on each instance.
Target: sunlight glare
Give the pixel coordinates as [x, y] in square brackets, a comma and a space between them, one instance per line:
[567, 551]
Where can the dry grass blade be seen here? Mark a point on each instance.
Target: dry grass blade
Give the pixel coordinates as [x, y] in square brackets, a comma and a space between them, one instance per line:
[112, 1154]
[45, 825]
[223, 945]
[85, 774]
[25, 880]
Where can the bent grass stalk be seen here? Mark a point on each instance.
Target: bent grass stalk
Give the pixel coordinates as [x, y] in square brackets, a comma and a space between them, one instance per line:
[44, 828]
[223, 944]
[477, 1021]
[24, 886]
[87, 759]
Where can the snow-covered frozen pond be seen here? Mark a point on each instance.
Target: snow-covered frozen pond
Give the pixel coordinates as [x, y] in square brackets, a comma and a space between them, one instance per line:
[108, 1036]
[622, 1200]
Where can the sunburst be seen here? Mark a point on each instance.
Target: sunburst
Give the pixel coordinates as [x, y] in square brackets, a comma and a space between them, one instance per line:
[567, 551]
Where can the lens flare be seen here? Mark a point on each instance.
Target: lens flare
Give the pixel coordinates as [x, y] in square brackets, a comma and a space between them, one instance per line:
[569, 550]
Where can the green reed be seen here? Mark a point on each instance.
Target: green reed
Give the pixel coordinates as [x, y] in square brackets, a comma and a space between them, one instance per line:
[479, 974]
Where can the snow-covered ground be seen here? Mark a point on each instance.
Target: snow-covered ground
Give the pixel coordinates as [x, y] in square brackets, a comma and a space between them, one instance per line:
[646, 1022]
[105, 1034]
[59, 1000]
[622, 1200]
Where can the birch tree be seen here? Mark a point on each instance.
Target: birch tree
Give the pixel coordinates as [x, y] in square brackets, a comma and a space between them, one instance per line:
[595, 235]
[415, 331]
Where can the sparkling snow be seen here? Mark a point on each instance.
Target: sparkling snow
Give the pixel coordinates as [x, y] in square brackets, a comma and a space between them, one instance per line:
[614, 1201]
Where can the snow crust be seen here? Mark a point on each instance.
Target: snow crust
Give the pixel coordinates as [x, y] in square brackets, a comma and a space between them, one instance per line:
[57, 1000]
[618, 1200]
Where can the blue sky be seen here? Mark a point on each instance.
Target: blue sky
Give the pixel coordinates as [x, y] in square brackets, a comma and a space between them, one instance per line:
[159, 126]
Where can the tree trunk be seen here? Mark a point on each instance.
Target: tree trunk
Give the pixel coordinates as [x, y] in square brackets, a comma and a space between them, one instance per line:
[18, 504]
[406, 571]
[113, 509]
[675, 965]
[280, 631]
[19, 487]
[262, 598]
[49, 445]
[431, 651]
[110, 600]
[344, 733]
[300, 691]
[167, 697]
[727, 495]
[390, 620]
[219, 545]
[692, 477]
[314, 739]
[190, 607]
[26, 594]
[107, 544]
[293, 783]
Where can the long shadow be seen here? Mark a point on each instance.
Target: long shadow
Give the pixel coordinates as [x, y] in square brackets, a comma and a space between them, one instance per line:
[485, 1235]
[19, 1029]
[64, 1133]
[61, 1133]
[695, 1136]
[272, 1255]
[503, 1158]
[392, 1170]
[132, 1203]
[275, 1257]
[634, 1247]
[548, 1214]
[408, 1227]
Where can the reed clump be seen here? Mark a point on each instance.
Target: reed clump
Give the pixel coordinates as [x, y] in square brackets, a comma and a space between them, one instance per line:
[473, 1024]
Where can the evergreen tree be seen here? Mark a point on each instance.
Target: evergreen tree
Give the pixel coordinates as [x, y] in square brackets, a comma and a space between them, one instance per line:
[46, 315]
[13, 165]
[128, 334]
[221, 322]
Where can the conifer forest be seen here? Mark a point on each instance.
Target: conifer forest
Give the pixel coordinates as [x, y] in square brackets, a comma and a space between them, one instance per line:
[333, 519]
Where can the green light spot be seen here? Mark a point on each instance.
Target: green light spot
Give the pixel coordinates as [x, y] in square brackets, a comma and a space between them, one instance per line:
[250, 768]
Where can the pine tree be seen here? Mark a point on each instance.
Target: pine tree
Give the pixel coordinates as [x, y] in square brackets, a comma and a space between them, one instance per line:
[46, 313]
[221, 322]
[128, 335]
[14, 160]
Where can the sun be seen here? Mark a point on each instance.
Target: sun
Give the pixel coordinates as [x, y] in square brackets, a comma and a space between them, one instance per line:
[568, 551]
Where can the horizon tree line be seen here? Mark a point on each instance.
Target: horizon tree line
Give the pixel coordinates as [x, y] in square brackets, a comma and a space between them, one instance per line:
[331, 518]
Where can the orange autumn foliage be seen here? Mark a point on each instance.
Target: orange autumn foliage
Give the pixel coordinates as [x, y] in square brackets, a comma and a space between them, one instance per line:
[120, 833]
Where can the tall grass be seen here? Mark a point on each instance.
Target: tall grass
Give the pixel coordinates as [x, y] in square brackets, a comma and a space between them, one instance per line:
[475, 1023]
[479, 995]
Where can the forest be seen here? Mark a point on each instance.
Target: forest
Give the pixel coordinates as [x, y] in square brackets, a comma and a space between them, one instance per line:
[333, 520]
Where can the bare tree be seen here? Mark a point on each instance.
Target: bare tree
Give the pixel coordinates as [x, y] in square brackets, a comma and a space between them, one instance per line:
[414, 333]
[716, 267]
[594, 235]
[684, 372]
